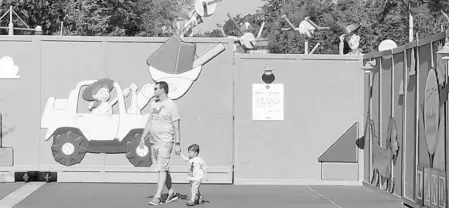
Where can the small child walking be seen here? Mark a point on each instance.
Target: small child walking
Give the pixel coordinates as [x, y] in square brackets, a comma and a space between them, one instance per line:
[197, 173]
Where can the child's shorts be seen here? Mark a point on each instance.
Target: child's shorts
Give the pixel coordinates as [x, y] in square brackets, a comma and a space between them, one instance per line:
[195, 186]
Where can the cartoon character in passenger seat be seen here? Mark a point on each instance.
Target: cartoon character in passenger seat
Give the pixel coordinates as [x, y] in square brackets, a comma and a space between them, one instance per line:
[99, 94]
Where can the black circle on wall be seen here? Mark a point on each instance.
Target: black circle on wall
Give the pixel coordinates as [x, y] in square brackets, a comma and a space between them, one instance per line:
[268, 77]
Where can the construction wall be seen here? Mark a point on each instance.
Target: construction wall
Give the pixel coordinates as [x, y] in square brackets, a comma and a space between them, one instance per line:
[322, 99]
[53, 66]
[313, 141]
[406, 103]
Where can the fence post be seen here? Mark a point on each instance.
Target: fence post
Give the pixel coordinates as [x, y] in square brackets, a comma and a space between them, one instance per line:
[11, 24]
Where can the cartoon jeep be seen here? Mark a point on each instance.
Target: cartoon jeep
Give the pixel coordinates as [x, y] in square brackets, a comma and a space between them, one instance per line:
[102, 131]
[99, 130]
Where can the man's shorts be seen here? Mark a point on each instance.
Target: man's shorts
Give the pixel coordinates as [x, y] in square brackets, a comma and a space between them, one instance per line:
[160, 155]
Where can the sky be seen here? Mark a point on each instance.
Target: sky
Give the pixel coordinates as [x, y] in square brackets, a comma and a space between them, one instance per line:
[228, 6]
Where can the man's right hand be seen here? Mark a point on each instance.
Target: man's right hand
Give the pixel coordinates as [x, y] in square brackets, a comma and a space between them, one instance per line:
[142, 139]
[142, 142]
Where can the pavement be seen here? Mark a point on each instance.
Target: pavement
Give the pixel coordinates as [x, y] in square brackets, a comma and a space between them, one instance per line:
[115, 195]
[6, 189]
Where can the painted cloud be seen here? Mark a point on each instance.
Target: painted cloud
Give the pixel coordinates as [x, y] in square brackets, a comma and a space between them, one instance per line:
[8, 69]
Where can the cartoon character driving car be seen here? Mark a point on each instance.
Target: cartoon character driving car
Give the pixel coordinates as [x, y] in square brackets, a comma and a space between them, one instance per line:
[99, 93]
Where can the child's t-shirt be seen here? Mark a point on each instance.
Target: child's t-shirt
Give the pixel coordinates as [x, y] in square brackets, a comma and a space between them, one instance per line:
[197, 168]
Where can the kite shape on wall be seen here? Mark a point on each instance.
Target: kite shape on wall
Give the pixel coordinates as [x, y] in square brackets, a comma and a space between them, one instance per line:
[8, 69]
[174, 62]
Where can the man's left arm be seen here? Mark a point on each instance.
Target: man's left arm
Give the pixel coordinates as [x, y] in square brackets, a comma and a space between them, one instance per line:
[177, 136]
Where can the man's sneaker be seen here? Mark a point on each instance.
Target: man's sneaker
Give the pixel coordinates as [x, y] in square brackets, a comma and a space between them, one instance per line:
[190, 203]
[171, 197]
[155, 201]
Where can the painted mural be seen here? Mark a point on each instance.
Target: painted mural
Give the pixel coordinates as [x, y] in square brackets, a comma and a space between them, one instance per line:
[423, 82]
[431, 151]
[384, 158]
[433, 121]
[101, 130]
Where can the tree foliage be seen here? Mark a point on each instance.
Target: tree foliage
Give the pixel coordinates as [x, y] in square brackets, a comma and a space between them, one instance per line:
[43, 13]
[94, 17]
[379, 20]
[101, 18]
[155, 14]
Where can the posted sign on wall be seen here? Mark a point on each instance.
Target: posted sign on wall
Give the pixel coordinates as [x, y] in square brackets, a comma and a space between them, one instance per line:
[268, 101]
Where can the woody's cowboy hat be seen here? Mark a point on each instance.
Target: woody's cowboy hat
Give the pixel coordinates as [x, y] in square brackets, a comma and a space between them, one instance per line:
[94, 87]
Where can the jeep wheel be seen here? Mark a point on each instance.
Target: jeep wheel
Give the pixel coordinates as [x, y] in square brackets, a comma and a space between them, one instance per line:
[69, 147]
[138, 155]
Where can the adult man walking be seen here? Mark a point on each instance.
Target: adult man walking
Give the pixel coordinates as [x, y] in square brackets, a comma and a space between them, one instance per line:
[163, 126]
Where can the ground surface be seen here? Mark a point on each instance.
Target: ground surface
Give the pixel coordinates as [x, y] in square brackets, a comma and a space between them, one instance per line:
[81, 195]
[6, 189]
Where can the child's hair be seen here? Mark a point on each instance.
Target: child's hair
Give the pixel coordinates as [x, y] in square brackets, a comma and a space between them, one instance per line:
[194, 148]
